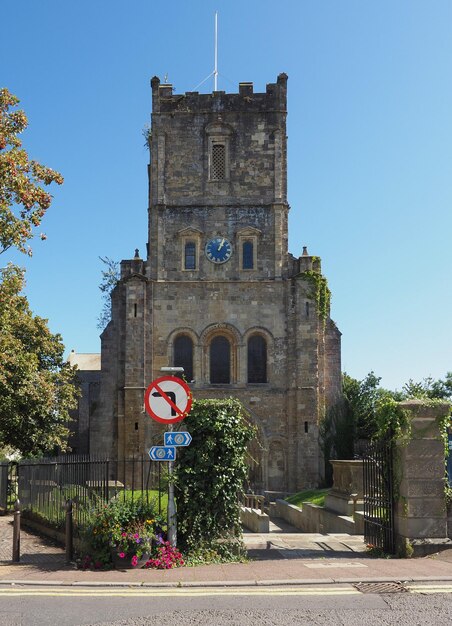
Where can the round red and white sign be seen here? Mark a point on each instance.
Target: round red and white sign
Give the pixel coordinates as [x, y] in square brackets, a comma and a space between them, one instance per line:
[168, 399]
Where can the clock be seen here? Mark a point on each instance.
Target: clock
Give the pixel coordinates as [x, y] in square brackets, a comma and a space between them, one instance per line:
[218, 250]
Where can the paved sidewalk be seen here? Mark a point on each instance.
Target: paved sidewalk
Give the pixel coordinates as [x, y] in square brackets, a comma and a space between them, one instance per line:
[293, 558]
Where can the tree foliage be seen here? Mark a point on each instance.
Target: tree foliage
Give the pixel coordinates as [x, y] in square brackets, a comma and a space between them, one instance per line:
[429, 388]
[110, 278]
[361, 398]
[37, 388]
[23, 199]
[365, 408]
[210, 474]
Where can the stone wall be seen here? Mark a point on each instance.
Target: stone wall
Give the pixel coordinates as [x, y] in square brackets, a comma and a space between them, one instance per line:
[420, 511]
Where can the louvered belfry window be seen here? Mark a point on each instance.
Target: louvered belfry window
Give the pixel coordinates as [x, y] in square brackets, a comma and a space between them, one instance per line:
[218, 162]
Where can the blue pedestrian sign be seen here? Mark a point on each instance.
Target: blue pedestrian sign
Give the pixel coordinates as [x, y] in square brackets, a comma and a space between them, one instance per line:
[162, 453]
[177, 439]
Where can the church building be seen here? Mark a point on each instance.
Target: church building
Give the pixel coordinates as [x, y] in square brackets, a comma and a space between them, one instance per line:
[218, 293]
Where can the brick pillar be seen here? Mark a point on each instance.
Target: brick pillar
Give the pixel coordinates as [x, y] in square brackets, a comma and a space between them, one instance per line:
[420, 508]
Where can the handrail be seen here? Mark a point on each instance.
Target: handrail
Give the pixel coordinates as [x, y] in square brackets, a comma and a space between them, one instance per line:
[254, 501]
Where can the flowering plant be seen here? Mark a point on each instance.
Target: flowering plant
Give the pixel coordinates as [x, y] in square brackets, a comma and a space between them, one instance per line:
[120, 529]
[166, 557]
[134, 541]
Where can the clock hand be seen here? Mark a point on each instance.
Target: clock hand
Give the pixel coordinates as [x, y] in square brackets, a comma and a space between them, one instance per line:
[221, 244]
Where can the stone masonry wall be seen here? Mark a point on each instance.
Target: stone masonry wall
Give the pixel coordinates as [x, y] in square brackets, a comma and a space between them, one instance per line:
[420, 513]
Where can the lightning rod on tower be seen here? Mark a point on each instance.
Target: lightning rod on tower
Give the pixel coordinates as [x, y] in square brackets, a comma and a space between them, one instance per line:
[215, 71]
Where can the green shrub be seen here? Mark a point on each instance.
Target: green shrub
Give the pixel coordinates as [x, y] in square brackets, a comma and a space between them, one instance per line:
[209, 477]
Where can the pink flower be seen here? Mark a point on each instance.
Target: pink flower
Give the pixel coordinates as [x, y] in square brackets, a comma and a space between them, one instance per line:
[123, 534]
[122, 555]
[134, 560]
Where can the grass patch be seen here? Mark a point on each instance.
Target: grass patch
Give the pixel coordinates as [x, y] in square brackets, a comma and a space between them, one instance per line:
[150, 496]
[315, 496]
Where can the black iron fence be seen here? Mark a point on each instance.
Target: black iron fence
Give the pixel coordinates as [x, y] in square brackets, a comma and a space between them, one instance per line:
[379, 495]
[45, 485]
[8, 485]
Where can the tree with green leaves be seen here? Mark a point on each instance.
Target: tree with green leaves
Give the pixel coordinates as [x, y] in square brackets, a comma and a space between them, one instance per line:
[353, 418]
[429, 388]
[23, 199]
[361, 397]
[358, 415]
[37, 388]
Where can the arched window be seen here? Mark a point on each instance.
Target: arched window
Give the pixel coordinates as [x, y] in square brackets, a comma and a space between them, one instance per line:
[248, 255]
[220, 360]
[183, 355]
[190, 255]
[276, 467]
[257, 359]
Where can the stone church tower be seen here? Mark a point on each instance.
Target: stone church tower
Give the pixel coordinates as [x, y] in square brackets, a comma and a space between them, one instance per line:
[218, 292]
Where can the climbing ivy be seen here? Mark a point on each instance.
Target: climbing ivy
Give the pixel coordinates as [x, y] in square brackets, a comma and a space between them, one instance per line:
[320, 292]
[390, 416]
[209, 475]
[443, 423]
[391, 419]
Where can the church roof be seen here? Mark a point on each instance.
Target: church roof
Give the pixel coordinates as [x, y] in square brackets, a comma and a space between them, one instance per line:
[85, 361]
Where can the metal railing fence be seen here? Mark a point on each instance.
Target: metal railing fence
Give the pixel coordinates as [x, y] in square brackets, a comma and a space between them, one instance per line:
[8, 485]
[378, 482]
[45, 485]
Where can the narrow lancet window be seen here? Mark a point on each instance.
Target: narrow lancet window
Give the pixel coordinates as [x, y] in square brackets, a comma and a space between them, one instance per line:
[248, 255]
[190, 255]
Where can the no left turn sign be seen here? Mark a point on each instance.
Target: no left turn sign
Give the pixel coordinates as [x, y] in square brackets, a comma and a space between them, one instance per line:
[168, 400]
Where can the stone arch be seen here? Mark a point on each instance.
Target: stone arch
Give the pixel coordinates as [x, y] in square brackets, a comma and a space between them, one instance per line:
[256, 456]
[276, 464]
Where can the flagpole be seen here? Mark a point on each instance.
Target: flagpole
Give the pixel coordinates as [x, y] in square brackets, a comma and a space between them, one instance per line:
[215, 71]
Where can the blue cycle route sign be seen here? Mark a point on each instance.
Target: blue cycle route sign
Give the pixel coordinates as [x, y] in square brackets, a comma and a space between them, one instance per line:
[162, 453]
[177, 439]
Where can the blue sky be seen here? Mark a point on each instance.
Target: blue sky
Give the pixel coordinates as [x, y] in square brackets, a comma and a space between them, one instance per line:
[370, 150]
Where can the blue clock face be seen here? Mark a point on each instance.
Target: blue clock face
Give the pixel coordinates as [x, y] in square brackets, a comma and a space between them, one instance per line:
[218, 250]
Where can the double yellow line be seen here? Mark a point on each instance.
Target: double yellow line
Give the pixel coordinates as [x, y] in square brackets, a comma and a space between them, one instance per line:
[120, 592]
[193, 592]
[445, 588]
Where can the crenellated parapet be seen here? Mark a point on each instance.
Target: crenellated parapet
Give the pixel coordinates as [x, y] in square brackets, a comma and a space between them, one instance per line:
[273, 99]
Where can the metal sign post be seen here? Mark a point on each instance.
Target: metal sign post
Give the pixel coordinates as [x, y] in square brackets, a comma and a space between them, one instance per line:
[172, 519]
[168, 400]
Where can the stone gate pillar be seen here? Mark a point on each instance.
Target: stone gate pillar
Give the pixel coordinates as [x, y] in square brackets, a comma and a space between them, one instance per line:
[419, 470]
